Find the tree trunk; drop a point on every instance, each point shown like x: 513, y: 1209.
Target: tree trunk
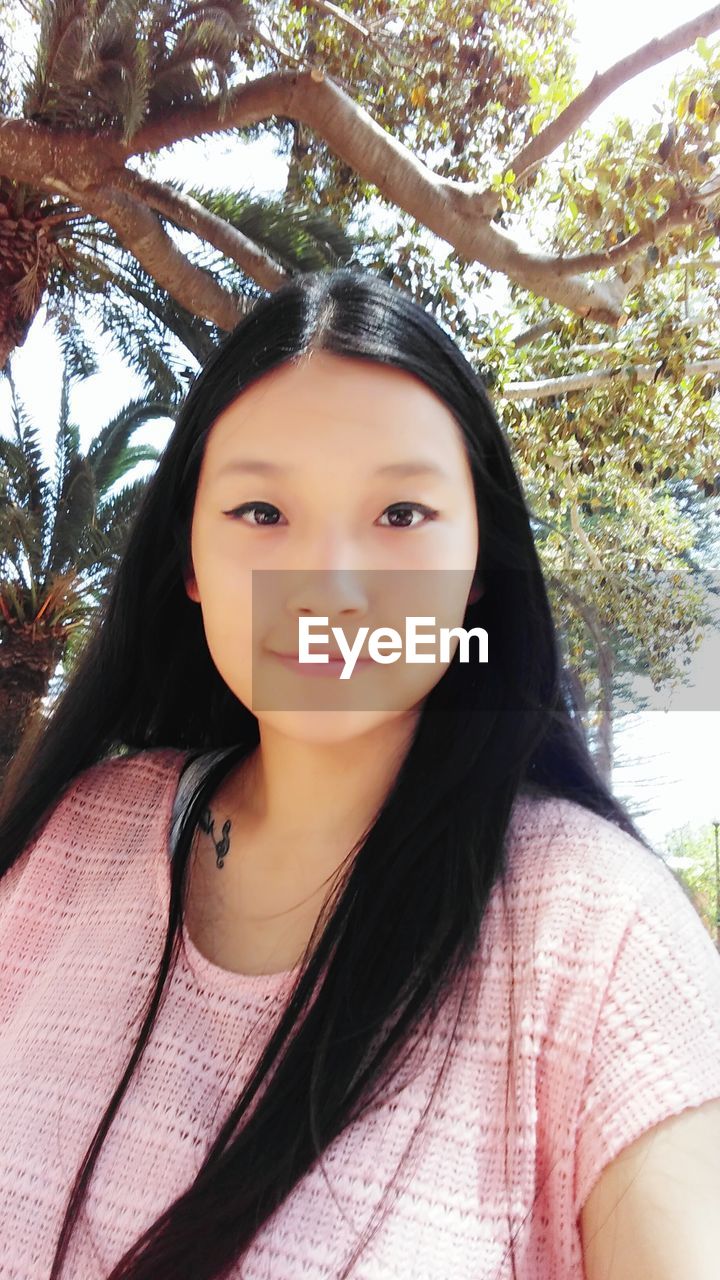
x: 26, y: 667
x: 604, y: 751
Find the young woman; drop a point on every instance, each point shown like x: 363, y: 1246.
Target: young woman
x: 317, y: 977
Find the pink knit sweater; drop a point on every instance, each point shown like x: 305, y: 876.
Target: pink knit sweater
x: 595, y: 959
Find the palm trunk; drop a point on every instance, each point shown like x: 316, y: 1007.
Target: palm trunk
x: 26, y: 667
x: 26, y: 253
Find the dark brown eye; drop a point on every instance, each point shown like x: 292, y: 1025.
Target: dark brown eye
x: 402, y: 507
x: 265, y: 507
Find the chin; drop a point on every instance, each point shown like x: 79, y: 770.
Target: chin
x: 326, y: 727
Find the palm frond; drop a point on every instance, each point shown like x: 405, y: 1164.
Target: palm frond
x: 110, y: 63
x: 20, y: 539
x: 104, y: 541
x: 75, y: 510
x: 13, y: 468
x: 67, y: 446
x: 17, y: 598
x: 52, y: 574
x: 77, y: 355
x: 115, y: 513
x: 60, y: 50
x: 300, y: 239
x: 31, y: 480
x: 28, y: 290
x: 137, y: 315
x: 212, y: 35
x: 110, y: 454
x: 135, y: 454
x: 67, y: 450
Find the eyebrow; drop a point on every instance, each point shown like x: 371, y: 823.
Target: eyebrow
x: 258, y: 467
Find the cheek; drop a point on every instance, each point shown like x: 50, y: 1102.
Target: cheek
x: 220, y: 570
x: 229, y: 643
x: 225, y: 599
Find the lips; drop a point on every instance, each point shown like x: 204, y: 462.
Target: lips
x: 332, y: 657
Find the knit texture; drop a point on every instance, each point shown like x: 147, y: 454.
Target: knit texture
x: 591, y: 956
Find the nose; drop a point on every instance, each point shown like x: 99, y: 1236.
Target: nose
x: 326, y: 578
x: 326, y: 593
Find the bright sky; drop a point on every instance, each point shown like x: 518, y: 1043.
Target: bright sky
x: 672, y: 756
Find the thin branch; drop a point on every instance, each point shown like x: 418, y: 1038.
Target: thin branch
x: 360, y: 32
x: 680, y: 213
x: 711, y: 263
x: 686, y: 295
x: 346, y: 19
x: 602, y: 86
x: 267, y: 41
x: 537, y: 331
x: 193, y: 216
x: 598, y: 377
x: 592, y: 347
x: 140, y: 231
x: 580, y: 534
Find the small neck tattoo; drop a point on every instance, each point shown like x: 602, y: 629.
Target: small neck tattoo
x: 207, y: 824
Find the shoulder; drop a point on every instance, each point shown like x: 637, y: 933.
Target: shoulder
x: 578, y: 881
x: 597, y: 916
x: 560, y: 850
x: 145, y: 768
x: 557, y: 834
x: 119, y: 785
x: 103, y: 811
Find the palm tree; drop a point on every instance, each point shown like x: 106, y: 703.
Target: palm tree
x: 101, y: 69
x: 60, y: 539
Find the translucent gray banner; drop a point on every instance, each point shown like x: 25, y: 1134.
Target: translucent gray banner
x: 382, y: 639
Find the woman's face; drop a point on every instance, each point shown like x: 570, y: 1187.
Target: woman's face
x: 308, y: 505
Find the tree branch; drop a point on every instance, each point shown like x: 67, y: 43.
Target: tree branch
x: 140, y: 231
x: 537, y: 331
x: 711, y: 264
x: 362, y: 33
x: 36, y: 154
x: 446, y: 207
x: 601, y: 87
x: 580, y: 534
x: 193, y: 216
x: 594, y: 378
x: 346, y: 19
x: 679, y: 214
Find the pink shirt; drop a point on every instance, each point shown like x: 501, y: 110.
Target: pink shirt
x: 616, y: 1019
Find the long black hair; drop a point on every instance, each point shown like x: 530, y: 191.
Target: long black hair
x: 402, y: 924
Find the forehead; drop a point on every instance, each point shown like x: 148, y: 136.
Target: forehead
x: 323, y: 395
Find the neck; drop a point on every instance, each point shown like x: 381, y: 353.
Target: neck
x: 315, y: 796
